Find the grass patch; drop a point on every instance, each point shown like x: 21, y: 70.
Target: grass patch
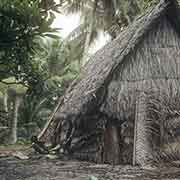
x: 20, y: 145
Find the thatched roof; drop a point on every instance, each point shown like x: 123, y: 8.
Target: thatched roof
x: 98, y: 71
x: 88, y: 93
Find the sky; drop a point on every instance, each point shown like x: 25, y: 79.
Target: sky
x: 66, y: 23
x: 70, y: 22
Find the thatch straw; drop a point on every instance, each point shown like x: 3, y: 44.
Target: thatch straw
x: 136, y: 76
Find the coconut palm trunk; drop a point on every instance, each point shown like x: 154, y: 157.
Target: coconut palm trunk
x: 13, y: 134
x: 5, y: 98
x: 89, y: 34
x: 87, y: 43
x: 5, y: 103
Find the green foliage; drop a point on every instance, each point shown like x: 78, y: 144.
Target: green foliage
x: 59, y: 65
x: 109, y: 16
x: 12, y: 83
x: 58, y: 60
x: 92, y: 178
x: 21, y: 144
x: 21, y: 22
x: 102, y: 15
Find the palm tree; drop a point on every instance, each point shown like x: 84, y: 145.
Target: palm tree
x: 60, y: 63
x: 58, y: 58
x: 95, y: 16
x: 110, y: 16
x: 12, y: 96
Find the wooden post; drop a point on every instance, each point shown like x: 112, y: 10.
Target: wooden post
x: 112, y: 151
x: 135, y: 135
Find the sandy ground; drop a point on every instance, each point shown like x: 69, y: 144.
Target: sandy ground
x: 42, y: 168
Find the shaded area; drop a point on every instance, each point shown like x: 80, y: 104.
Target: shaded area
x: 40, y: 168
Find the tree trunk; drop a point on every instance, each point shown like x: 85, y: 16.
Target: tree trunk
x: 5, y: 96
x: 5, y: 102
x: 89, y: 35
x: 142, y: 135
x: 13, y: 135
x: 86, y: 44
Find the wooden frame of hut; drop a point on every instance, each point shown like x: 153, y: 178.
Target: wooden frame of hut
x: 119, y: 105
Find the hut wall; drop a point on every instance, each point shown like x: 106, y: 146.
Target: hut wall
x: 155, y: 63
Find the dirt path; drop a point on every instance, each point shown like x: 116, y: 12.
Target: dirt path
x: 44, y: 169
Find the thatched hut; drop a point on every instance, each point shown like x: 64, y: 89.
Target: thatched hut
x: 125, y: 94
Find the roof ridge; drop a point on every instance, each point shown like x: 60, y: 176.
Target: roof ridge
x: 102, y: 65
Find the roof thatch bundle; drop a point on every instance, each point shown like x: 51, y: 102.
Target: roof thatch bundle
x: 129, y: 82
